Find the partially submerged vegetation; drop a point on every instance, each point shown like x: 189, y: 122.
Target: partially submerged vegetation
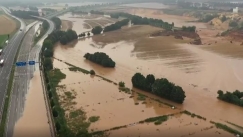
x: 137, y: 20
x: 193, y: 115
x: 160, y: 87
x: 227, y: 128
x: 235, y: 98
x: 101, y: 59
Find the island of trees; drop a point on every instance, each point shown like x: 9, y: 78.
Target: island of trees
x: 101, y: 59
x: 57, y: 22
x: 235, y: 97
x: 160, y: 87
x: 137, y: 20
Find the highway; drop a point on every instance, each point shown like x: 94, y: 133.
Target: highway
x: 23, y: 75
x: 8, y: 55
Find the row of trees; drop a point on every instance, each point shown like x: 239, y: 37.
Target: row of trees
x: 234, y: 97
x: 49, y: 42
x: 57, y: 22
x: 97, y: 12
x: 116, y: 26
x: 189, y: 28
x: 137, y: 20
x: 24, y: 14
x: 160, y: 87
x: 100, y: 58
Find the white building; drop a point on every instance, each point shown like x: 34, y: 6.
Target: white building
x: 40, y: 12
x: 235, y: 10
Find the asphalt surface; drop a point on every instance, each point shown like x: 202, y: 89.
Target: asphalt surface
x: 23, y: 76
x: 8, y: 55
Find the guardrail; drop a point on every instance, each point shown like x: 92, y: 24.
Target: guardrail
x: 47, y: 100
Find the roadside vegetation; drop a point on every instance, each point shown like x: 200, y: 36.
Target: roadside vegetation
x: 24, y: 14
x: 235, y: 97
x: 63, y: 127
x: 3, y: 39
x: 43, y: 28
x: 101, y: 59
x: 160, y: 87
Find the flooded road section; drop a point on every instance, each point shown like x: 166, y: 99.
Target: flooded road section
x: 200, y: 72
x: 34, y: 122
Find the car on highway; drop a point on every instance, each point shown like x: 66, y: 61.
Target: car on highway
x: 1, y: 62
x: 1, y: 51
x: 20, y: 29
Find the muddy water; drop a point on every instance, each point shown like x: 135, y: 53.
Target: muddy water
x: 216, y: 72
x: 147, y: 5
x: 34, y: 120
x: 211, y: 72
x: 100, y: 98
x: 77, y: 22
x: 179, y: 21
x: 176, y: 126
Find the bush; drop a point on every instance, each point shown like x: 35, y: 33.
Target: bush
x: 54, y: 113
x: 94, y: 118
x: 58, y: 126
x: 100, y: 58
x: 121, y: 84
x: 92, y: 72
x: 233, y: 24
x: 160, y: 87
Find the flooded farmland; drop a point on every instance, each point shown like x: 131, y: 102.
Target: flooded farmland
x: 200, y: 70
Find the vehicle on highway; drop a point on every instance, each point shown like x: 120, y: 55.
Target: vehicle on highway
x: 20, y: 29
x: 1, y: 51
x: 1, y: 62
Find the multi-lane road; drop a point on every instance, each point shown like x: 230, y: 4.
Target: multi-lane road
x: 23, y: 75
x: 8, y: 55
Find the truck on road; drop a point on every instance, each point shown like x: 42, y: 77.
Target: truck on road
x: 1, y: 62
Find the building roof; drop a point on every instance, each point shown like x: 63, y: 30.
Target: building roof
x: 241, y: 98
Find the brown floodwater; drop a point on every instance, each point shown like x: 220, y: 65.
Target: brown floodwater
x: 34, y: 122
x: 101, y: 98
x: 207, y: 72
x: 177, y: 126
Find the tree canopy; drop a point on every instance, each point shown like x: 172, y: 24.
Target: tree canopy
x: 24, y: 14
x: 97, y: 30
x: 45, y: 25
x: 234, y: 97
x: 160, y: 87
x: 57, y: 22
x: 137, y: 20
x: 189, y: 28
x: 116, y: 26
x: 101, y: 59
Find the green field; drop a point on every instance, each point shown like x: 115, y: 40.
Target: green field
x: 3, y: 38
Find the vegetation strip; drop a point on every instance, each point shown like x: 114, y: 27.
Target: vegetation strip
x: 226, y: 128
x: 235, y: 98
x: 8, y: 94
x: 156, y: 120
